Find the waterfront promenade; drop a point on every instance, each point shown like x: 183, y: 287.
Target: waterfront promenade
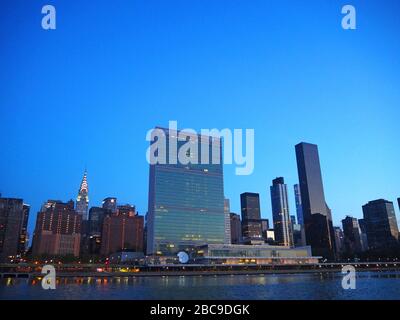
x: 109, y: 271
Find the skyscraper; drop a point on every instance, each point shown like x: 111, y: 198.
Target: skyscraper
x: 91, y: 239
x: 186, y: 201
x: 381, y: 224
x: 13, y: 223
x: 23, y: 235
x: 280, y: 213
x: 316, y: 214
x: 82, y: 201
x: 299, y: 209
x: 264, y: 226
x: 364, y: 238
x: 227, y: 211
x: 236, y: 228
x: 58, y: 230
x: 339, y: 240
x: 251, y: 217
x: 352, y: 235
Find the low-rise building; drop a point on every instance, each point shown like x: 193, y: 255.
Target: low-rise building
x: 253, y: 254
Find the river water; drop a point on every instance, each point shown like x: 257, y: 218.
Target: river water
x: 326, y: 286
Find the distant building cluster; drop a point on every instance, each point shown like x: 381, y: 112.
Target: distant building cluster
x: 187, y: 211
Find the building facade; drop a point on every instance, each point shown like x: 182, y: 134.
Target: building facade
x: 82, y: 201
x: 254, y: 255
x: 227, y: 212
x: 339, y: 241
x: 58, y: 230
x: 236, y: 228
x: 317, y: 216
x: 364, y: 238
x: 122, y: 231
x: 91, y: 236
x: 381, y: 224
x: 299, y: 208
x: 352, y: 236
x: 110, y: 204
x: 186, y: 200
x: 251, y: 217
x: 13, y: 227
x: 280, y: 212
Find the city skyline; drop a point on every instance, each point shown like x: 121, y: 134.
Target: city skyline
x: 256, y: 67
x: 269, y: 215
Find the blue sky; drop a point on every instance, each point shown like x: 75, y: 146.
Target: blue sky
x: 86, y: 93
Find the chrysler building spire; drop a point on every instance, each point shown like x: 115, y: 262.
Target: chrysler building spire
x: 82, y: 201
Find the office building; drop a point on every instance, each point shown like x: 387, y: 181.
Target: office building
x: 58, y: 230
x: 236, y: 228
x: 364, y: 238
x: 227, y: 212
x: 251, y: 217
x: 122, y: 231
x: 91, y: 236
x: 264, y: 228
x: 13, y: 228
x: 381, y: 224
x: 298, y: 239
x: 339, y: 241
x: 299, y: 209
x: 280, y: 213
x: 317, y: 216
x: 352, y: 236
x: 186, y: 200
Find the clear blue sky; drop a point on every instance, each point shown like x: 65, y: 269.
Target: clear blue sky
x: 86, y: 93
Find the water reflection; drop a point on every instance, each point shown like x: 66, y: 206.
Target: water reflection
x: 370, y: 285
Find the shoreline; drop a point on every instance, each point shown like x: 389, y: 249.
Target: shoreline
x: 198, y: 273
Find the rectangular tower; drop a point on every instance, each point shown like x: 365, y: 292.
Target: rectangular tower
x: 186, y: 200
x: 381, y: 224
x: 251, y: 217
x: 316, y: 214
x: 13, y: 225
x: 280, y: 213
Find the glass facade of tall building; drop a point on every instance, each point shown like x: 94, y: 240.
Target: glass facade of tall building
x: 381, y: 224
x: 251, y: 216
x: 227, y: 211
x: 317, y: 216
x: 280, y: 213
x: 299, y: 208
x: 186, y: 201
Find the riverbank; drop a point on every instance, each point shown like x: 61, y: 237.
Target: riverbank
x: 101, y: 271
